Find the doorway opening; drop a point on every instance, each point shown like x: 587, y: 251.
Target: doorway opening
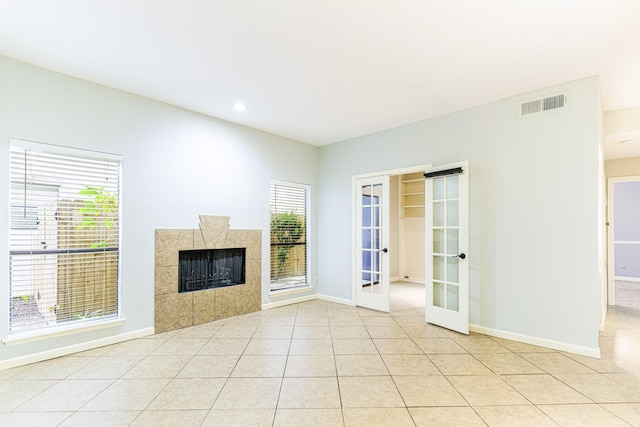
x: 389, y: 237
x: 408, y: 265
x: 443, y: 242
x: 624, y: 242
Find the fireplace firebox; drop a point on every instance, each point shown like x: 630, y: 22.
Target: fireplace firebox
x: 210, y: 268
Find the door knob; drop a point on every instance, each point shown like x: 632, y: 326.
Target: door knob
x: 462, y: 255
x: 385, y: 250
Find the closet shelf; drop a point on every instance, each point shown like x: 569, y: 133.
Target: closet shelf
x: 412, y: 196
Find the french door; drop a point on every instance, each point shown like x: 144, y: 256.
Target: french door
x: 372, y: 237
x: 447, y: 243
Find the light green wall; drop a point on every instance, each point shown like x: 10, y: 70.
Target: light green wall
x: 176, y: 165
x: 533, y: 209
x: 533, y: 189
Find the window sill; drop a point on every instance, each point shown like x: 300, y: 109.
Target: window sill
x: 296, y: 290
x: 27, y: 337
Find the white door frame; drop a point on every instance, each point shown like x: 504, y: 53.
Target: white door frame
x: 354, y: 212
x: 611, y: 283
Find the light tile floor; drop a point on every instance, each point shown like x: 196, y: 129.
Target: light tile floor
x: 323, y: 364
x: 627, y: 293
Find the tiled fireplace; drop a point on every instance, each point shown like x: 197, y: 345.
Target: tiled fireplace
x: 175, y: 310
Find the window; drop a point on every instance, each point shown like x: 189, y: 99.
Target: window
x: 289, y: 231
x: 64, y: 236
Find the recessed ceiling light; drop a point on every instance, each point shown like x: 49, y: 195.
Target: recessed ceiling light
x: 627, y: 141
x: 239, y: 107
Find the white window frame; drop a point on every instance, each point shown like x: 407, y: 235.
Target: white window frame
x: 308, y: 218
x: 58, y: 328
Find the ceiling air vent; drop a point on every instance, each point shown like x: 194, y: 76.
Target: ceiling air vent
x: 542, y: 105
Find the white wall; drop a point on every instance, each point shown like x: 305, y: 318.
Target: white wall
x: 626, y: 120
x: 412, y: 238
x: 622, y: 167
x: 177, y: 165
x: 533, y: 205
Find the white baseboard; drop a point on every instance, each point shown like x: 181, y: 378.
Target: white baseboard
x: 627, y: 279
x: 76, y: 348
x: 307, y: 298
x: 337, y: 300
x: 289, y: 301
x: 289, y: 291
x: 555, y: 345
x: 419, y: 282
x: 54, y: 332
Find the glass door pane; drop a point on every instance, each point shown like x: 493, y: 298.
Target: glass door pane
x: 371, y: 230
x: 445, y: 243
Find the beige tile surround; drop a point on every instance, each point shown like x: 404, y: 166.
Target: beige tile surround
x: 175, y: 310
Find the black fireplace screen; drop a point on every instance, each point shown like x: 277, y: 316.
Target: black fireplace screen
x: 211, y: 268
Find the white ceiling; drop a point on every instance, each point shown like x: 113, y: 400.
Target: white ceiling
x: 321, y: 71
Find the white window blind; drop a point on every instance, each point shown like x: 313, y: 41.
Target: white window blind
x: 63, y: 235
x: 289, y: 231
